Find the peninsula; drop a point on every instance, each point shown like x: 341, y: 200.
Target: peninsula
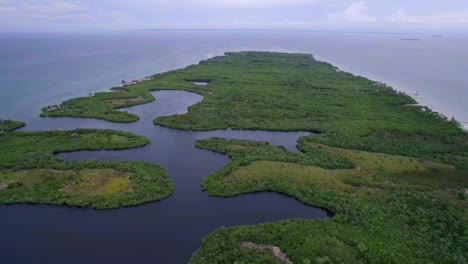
x: 393, y: 174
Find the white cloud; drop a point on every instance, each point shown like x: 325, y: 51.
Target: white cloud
x: 7, y: 10
x: 54, y: 8
x: 35, y: 10
x: 226, y: 3
x: 281, y: 14
x: 356, y: 12
x: 442, y: 18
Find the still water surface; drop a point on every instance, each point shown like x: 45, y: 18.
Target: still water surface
x: 167, y: 231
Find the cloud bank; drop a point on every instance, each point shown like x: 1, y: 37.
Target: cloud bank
x: 67, y: 15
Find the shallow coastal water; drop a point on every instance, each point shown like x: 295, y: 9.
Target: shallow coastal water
x: 167, y: 231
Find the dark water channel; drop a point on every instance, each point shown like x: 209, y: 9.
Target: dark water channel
x: 168, y: 231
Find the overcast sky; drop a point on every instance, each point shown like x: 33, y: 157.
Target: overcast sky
x: 84, y: 15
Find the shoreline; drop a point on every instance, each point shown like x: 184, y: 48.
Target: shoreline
x: 422, y: 98
x: 464, y: 126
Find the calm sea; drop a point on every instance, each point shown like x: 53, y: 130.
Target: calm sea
x: 42, y: 69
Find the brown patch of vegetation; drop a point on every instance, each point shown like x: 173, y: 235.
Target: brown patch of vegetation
x: 277, y: 253
x: 99, y: 182
x: 124, y: 102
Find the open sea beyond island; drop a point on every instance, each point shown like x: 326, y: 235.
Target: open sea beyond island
x: 59, y: 67
x: 63, y: 66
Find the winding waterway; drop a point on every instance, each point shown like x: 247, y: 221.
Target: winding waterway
x: 168, y: 231
x: 44, y: 69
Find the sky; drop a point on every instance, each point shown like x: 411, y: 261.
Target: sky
x: 95, y: 15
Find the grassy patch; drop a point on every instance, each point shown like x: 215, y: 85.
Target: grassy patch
x: 86, y: 182
x: 30, y: 173
x: 381, y: 161
x: 261, y: 172
x: 389, y: 209
x: 124, y: 102
x: 97, y: 182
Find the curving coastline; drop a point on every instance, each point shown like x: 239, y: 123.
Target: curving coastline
x: 404, y: 160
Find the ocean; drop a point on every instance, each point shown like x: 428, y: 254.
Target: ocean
x: 42, y: 69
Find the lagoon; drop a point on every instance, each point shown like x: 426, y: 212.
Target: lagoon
x: 168, y: 231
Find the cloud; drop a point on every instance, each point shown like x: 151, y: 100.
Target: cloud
x: 39, y: 10
x: 51, y: 15
x: 7, y: 10
x: 223, y: 4
x: 59, y: 14
x: 442, y: 18
x: 54, y: 8
x: 356, y: 12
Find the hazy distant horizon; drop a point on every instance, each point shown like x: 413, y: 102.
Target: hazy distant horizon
x: 384, y: 31
x: 86, y: 63
x: 332, y: 15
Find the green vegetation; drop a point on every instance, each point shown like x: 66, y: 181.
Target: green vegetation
x: 10, y: 125
x: 277, y: 91
x: 394, y: 173
x: 388, y: 209
x: 29, y: 172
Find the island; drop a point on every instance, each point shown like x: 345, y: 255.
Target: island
x: 392, y: 174
x: 10, y: 125
x: 30, y: 173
